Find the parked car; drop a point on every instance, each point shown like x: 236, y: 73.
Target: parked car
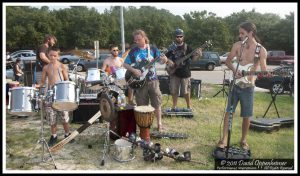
x: 85, y: 64
x: 287, y: 62
x: 224, y: 57
x: 9, y: 70
x: 280, y: 81
x: 66, y: 59
x: 209, y: 60
x: 9, y: 74
x: 275, y: 57
x: 26, y: 55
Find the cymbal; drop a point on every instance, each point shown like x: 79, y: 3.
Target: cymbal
x: 83, y: 54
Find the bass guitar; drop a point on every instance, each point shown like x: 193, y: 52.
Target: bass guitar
x: 247, y: 73
x: 171, y: 69
x: 135, y: 82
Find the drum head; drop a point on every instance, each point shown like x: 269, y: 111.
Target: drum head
x: 106, y: 107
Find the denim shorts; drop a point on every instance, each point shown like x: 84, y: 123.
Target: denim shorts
x: 245, y: 96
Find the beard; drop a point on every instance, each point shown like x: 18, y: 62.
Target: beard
x: 179, y: 42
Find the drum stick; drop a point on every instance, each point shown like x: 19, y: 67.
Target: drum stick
x: 62, y: 143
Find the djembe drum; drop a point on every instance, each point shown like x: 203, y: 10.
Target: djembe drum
x: 144, y: 117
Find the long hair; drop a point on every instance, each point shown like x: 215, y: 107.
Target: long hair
x: 248, y: 26
x: 49, y: 36
x: 142, y: 33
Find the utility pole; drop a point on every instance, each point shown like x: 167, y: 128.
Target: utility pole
x: 122, y: 29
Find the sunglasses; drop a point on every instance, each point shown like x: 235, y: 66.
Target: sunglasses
x: 179, y: 36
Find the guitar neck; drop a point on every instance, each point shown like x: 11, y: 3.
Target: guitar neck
x: 154, y: 60
x: 177, y: 62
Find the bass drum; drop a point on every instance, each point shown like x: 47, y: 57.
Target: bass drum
x: 107, y: 107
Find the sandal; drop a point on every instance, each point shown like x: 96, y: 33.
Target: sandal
x: 244, y: 145
x: 221, y: 145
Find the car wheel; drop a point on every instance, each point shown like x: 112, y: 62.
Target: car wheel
x: 65, y: 61
x: 277, y: 88
x: 210, y: 67
x: 79, y: 68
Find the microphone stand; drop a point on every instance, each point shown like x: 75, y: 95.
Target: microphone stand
x: 231, y: 106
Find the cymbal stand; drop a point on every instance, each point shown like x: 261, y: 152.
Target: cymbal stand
x: 106, y: 143
x: 223, y: 87
x: 41, y: 140
x: 75, y: 69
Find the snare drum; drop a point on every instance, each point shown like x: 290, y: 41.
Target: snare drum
x: 22, y: 101
x: 66, y: 96
x: 144, y: 118
x: 123, y: 151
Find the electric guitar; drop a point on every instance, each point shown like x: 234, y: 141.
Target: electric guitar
x: 135, y: 82
x: 171, y: 69
x: 247, y: 73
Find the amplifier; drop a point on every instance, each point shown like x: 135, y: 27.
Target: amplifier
x: 195, y: 89
x: 85, y: 111
x: 164, y: 84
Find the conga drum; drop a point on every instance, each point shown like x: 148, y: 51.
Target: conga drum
x: 144, y: 117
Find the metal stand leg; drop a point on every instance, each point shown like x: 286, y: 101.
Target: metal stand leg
x: 223, y: 87
x: 42, y: 140
x: 106, y: 144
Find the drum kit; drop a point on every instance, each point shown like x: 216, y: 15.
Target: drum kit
x: 108, y: 90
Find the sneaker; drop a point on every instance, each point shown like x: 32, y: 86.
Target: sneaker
x: 52, y: 141
x: 73, y: 140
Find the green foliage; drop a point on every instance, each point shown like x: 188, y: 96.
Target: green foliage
x: 79, y: 26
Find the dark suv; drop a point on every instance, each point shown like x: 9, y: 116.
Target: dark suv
x: 208, y: 61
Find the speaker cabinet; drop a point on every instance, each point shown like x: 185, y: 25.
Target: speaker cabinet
x: 164, y: 84
x: 84, y: 112
x: 195, y: 89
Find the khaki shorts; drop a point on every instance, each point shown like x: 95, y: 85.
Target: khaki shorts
x: 149, y: 91
x: 175, y: 83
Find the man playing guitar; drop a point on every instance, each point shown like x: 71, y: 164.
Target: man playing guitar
x: 143, y: 51
x: 248, y: 51
x: 182, y: 74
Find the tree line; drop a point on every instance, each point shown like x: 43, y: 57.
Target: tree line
x: 80, y: 26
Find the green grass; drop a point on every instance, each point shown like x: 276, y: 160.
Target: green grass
x: 204, y: 131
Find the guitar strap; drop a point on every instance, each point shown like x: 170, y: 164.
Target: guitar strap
x: 185, y: 48
x: 131, y: 53
x: 148, y: 56
x: 257, y: 51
